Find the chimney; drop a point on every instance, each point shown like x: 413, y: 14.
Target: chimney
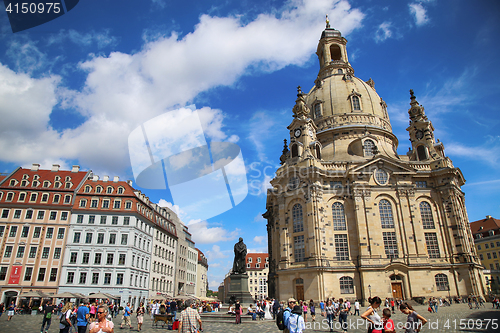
x: 116, y: 179
x: 488, y: 217
x: 55, y: 167
x: 96, y: 178
x: 75, y: 168
x: 105, y: 178
x: 129, y: 182
x: 35, y: 167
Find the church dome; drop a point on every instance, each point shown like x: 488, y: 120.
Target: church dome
x: 351, y: 119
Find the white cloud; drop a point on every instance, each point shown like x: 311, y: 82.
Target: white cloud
x: 100, y: 39
x: 216, y: 253
x: 122, y: 91
x: 419, y: 12
x: 489, y: 152
x: 259, y: 218
x: 176, y: 209
x: 203, y: 234
x: 260, y: 239
x: 383, y: 32
x: 258, y: 250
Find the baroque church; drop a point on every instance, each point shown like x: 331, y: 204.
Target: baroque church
x: 349, y: 217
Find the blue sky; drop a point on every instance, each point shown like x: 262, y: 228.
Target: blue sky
x: 73, y: 89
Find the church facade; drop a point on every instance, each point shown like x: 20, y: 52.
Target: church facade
x: 349, y: 217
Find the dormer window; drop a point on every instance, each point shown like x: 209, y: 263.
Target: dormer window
x: 354, y: 98
x: 120, y: 190
x: 12, y: 182
x: 109, y: 189
x: 68, y: 178
x: 57, y: 184
x: 57, y: 178
x: 88, y: 188
x: 317, y: 110
x: 67, y: 185
x: 24, y: 183
x: 355, y: 103
x: 46, y: 183
x: 35, y: 183
x: 491, y: 233
x: 368, y: 148
x: 98, y: 189
x: 36, y: 177
x: 26, y: 177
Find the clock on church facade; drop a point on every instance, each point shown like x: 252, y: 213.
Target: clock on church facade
x: 349, y: 217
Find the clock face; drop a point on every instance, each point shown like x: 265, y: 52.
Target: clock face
x: 419, y: 134
x: 297, y: 132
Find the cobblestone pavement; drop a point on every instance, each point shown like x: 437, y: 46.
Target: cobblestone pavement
x: 457, y: 318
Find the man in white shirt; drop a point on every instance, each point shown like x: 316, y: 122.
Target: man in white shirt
x: 356, y: 307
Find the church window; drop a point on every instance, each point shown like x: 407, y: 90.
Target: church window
x: 355, y: 103
x: 442, y: 282
x: 339, y: 71
x: 346, y: 285
x: 385, y: 209
x: 390, y: 244
x: 338, y: 215
x: 317, y: 110
x: 432, y: 244
x: 421, y: 184
x: 421, y: 153
x: 335, y: 52
x: 298, y: 248
x: 295, y: 151
x: 293, y: 183
x: 298, y: 222
x: 341, y: 247
x: 381, y: 177
x: 368, y: 147
x: 426, y: 214
x: 318, y: 152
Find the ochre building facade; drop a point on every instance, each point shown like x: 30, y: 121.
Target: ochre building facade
x: 349, y: 217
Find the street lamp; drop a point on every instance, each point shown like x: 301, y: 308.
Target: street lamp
x: 370, y: 289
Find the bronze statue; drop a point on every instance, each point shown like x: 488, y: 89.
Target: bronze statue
x: 240, y: 254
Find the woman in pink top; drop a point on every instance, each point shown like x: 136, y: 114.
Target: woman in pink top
x: 92, y: 312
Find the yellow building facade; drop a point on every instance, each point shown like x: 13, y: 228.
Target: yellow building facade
x: 349, y: 217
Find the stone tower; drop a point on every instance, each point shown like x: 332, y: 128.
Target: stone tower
x: 349, y: 217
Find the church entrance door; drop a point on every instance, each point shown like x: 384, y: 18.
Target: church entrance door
x: 300, y: 292
x: 397, y: 290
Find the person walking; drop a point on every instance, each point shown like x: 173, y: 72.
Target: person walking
x: 2, y: 309
x: 140, y: 316
x: 102, y: 325
x: 412, y: 321
x: 237, y: 311
x: 11, y: 310
x: 48, y: 310
x: 65, y: 320
x: 372, y: 316
x: 356, y: 307
x: 343, y: 312
x: 287, y: 312
x: 312, y: 308
x: 188, y: 319
x: 82, y: 317
x: 126, y: 316
x: 330, y: 314
x: 296, y: 322
x: 173, y: 309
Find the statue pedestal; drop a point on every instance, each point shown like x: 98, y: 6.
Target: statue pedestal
x: 239, y: 288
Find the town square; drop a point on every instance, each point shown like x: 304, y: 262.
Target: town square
x: 249, y: 166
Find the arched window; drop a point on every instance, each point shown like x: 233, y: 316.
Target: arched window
x: 298, y: 222
x: 317, y: 110
x: 46, y: 183
x: 88, y: 189
x: 368, y: 147
x: 338, y: 216
x: 120, y: 190
x: 355, y: 103
x: 426, y: 214
x: 318, y: 152
x: 421, y: 153
x: 56, y: 198
x: 346, y: 285
x: 295, y: 151
x: 385, y: 210
x: 98, y: 189
x: 442, y: 282
x: 293, y: 183
x: 335, y: 52
x: 109, y: 189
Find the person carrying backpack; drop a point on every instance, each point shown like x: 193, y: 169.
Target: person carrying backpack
x: 296, y: 322
x: 48, y: 310
x: 284, y: 315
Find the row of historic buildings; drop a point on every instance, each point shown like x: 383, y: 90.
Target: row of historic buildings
x: 347, y: 216
x: 68, y: 230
